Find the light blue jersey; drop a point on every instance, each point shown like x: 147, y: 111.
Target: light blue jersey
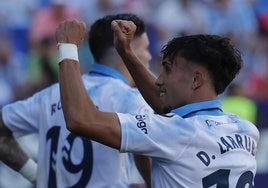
x: 196, y: 145
x: 64, y: 159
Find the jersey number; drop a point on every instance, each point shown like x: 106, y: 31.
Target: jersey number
x: 85, y: 166
x: 220, y: 178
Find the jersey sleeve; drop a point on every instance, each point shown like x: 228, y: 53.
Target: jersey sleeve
x: 154, y: 135
x: 22, y: 117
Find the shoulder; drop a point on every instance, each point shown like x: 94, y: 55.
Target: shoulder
x: 41, y: 97
x: 103, y: 81
x: 174, y: 123
x: 52, y: 91
x: 248, y: 127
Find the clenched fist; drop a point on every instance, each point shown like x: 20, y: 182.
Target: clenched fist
x: 123, y: 34
x: 71, y: 31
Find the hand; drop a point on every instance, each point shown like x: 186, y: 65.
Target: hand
x: 123, y: 34
x: 71, y: 32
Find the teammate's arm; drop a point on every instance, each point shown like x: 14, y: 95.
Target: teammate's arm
x: 80, y: 113
x: 144, y: 79
x: 13, y: 155
x: 144, y: 167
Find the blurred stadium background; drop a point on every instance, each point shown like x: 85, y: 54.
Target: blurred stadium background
x: 28, y: 55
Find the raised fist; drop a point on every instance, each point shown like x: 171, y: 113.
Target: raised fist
x: 123, y: 34
x: 71, y: 31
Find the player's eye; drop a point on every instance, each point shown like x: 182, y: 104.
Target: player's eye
x: 167, y: 66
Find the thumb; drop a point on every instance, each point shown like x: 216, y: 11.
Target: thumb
x: 114, y: 25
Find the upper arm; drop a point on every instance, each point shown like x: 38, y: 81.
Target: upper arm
x: 103, y: 127
x: 110, y: 130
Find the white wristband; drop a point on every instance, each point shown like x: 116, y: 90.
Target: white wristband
x: 29, y: 170
x: 67, y: 51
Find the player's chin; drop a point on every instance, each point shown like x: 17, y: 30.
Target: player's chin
x: 166, y: 108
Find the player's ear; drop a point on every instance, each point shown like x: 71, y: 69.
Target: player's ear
x: 198, y: 79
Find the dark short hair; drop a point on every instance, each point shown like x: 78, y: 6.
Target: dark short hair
x: 101, y: 35
x: 216, y: 53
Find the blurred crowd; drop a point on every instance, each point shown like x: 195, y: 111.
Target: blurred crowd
x: 28, y: 59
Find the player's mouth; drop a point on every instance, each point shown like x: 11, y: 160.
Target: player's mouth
x: 162, y: 93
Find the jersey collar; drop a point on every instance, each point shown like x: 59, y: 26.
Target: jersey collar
x: 103, y: 70
x: 212, y: 107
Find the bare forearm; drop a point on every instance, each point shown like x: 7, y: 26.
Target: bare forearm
x: 15, y: 158
x: 73, y: 95
x: 144, y: 79
x: 11, y: 153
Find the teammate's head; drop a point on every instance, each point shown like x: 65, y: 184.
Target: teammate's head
x: 216, y: 54
x: 101, y: 36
